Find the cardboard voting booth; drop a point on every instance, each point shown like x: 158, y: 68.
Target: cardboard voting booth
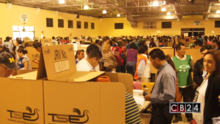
x: 167, y: 51
x: 195, y: 53
x: 21, y: 101
x: 59, y: 63
x: 84, y: 103
x: 46, y: 42
x: 33, y: 55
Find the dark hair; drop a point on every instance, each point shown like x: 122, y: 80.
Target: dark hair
x: 19, y: 41
x: 142, y: 42
x: 91, y: 47
x: 36, y: 45
x: 133, y: 46
x: 204, y: 48
x: 142, y: 49
x: 178, y: 46
x: 215, y: 41
x: 198, y: 42
x: 4, y: 49
x: 22, y: 50
x: 7, y: 39
x: 95, y: 53
x: 109, y: 68
x: 119, y: 43
x: 97, y: 41
x: 106, y: 38
x: 157, y: 53
x: 170, y: 61
x: 53, y: 37
x: 78, y: 52
x: 216, y: 56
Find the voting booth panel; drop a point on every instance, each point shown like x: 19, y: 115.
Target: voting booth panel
x: 84, y: 102
x: 167, y: 51
x: 21, y: 101
x: 46, y: 42
x: 195, y: 53
x: 33, y: 55
x: 60, y: 65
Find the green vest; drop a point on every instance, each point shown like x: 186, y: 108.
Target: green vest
x: 184, y: 69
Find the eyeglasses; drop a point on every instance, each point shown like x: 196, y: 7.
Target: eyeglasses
x: 98, y: 61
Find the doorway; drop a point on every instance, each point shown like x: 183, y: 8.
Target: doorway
x: 192, y: 32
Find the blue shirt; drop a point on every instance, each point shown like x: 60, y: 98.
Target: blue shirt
x: 164, y: 90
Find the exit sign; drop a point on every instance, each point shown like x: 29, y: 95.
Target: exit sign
x: 198, y: 22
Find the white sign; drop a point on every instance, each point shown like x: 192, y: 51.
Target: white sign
x: 185, y: 34
x: 198, y: 22
x: 62, y: 66
x: 24, y: 17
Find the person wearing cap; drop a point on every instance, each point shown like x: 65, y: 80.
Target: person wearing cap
x: 7, y: 64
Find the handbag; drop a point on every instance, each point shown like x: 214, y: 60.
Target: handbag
x: 103, y: 79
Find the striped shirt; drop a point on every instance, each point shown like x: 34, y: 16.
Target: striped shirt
x: 132, y: 111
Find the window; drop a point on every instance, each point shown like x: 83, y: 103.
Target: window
x: 60, y: 23
x: 149, y: 25
x: 166, y: 24
x: 70, y: 24
x: 119, y: 25
x: 78, y: 24
x: 217, y: 24
x: 86, y: 25
x: 49, y: 22
x: 92, y: 25
x: 23, y: 32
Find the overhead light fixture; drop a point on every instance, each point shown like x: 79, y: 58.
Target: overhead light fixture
x: 104, y: 11
x: 168, y: 13
x: 86, y: 7
x: 218, y: 11
x: 155, y: 3
x: 61, y: 1
x: 118, y: 15
x: 163, y: 9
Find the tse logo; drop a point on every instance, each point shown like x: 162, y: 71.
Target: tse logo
x: 185, y: 107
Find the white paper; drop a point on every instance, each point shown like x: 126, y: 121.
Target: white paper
x: 62, y: 66
x: 139, y: 100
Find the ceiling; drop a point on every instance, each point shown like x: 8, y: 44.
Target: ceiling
x: 134, y: 10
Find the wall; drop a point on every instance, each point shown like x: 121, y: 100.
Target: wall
x: 107, y: 27
x: 12, y: 17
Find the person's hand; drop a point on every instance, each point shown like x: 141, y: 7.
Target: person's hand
x: 148, y: 96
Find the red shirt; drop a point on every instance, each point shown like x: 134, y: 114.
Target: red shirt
x: 118, y: 53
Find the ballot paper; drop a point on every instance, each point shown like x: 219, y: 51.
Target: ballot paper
x: 139, y: 100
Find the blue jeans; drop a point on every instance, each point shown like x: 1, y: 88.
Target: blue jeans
x: 131, y: 67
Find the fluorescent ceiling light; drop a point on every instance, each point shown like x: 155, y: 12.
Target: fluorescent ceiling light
x: 155, y: 3
x: 118, y: 15
x: 163, y: 9
x: 86, y: 7
x: 218, y: 11
x: 168, y: 13
x: 104, y: 11
x: 61, y: 1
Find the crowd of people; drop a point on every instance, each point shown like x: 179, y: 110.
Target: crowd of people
x: 129, y: 54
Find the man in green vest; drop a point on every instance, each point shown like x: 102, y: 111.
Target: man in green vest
x: 184, y: 65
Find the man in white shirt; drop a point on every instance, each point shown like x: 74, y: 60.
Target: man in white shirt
x: 90, y: 48
x: 88, y: 64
